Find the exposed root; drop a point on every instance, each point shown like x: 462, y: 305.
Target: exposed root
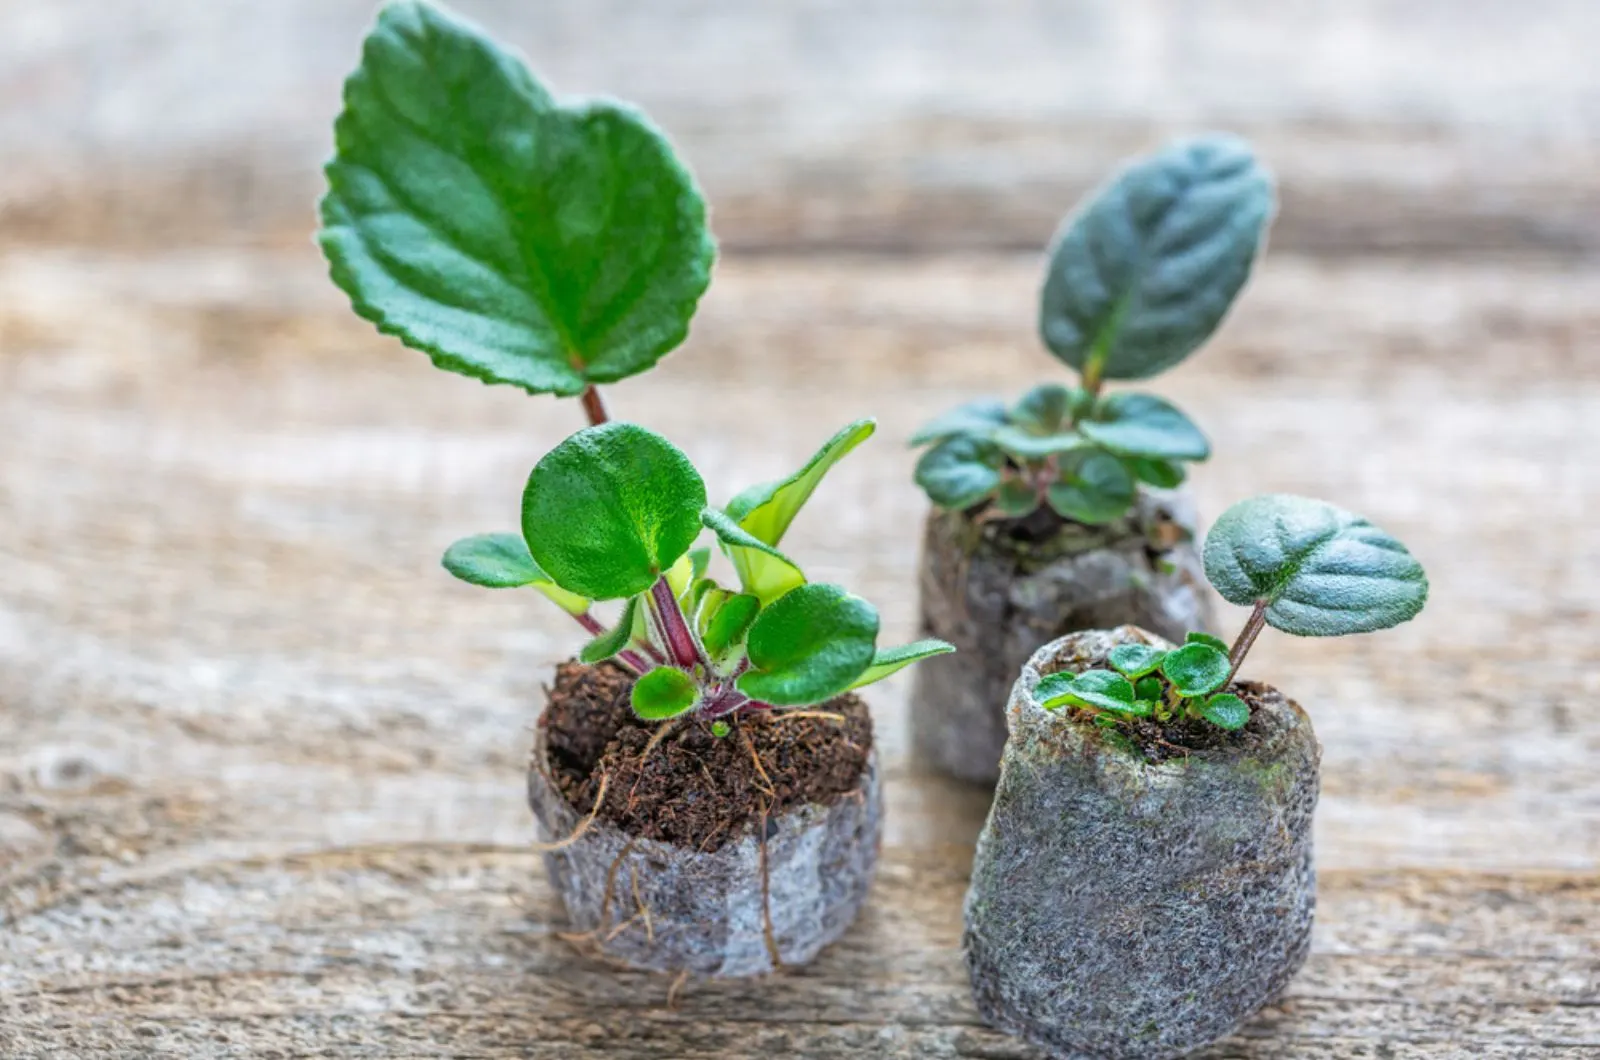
x: 677, y: 986
x: 611, y: 881
x: 620, y: 928
x: 768, y: 935
x: 642, y: 906
x: 583, y: 825
x: 825, y: 715
x: 767, y: 789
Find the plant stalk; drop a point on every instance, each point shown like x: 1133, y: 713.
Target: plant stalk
x: 675, y: 632
x: 593, y: 407
x: 1247, y: 637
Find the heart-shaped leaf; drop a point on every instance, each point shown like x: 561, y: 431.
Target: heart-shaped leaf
x: 766, y: 511
x: 611, y: 508
x: 809, y: 646
x: 1162, y: 474
x: 1045, y: 409
x: 614, y: 639
x: 1322, y: 571
x: 1016, y: 498
x: 1226, y: 711
x: 892, y: 660
x: 1196, y: 637
x: 975, y: 418
x: 1143, y: 274
x: 959, y: 472
x: 1149, y: 688
x: 664, y: 693
x: 1143, y: 425
x: 1097, y: 688
x: 502, y: 561
x: 1196, y: 669
x: 1095, y: 488
x: 507, y: 236
x: 1135, y: 660
x: 763, y: 571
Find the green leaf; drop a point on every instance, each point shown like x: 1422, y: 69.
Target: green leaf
x: 664, y: 693
x: 509, y: 237
x: 1196, y: 637
x: 763, y: 571
x: 1135, y: 660
x: 1096, y: 688
x: 724, y: 620
x: 1162, y: 474
x: 1095, y: 488
x: 767, y: 510
x: 699, y: 560
x: 975, y: 418
x: 1016, y: 498
x: 720, y: 728
x: 1143, y: 273
x: 1226, y: 711
x: 613, y: 640
x: 959, y: 472
x: 611, y: 508
x: 1323, y: 571
x: 1144, y: 425
x: 1025, y: 445
x: 1045, y: 409
x: 502, y: 561
x: 1052, y: 689
x: 809, y: 646
x: 892, y: 660
x: 1196, y: 669
x: 1149, y: 688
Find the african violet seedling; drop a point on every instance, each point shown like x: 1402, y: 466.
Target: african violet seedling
x: 1138, y: 278
x: 1301, y: 565
x: 510, y: 236
x: 613, y: 513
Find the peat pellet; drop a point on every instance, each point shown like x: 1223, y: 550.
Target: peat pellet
x: 997, y: 589
x: 1123, y: 907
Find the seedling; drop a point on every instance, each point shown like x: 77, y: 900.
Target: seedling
x: 512, y: 237
x: 613, y: 513
x: 1301, y: 565
x: 1138, y: 278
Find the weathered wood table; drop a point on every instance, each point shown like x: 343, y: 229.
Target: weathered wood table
x: 261, y: 760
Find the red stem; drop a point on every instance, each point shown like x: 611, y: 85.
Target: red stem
x: 1247, y: 637
x: 593, y: 407
x: 674, y: 630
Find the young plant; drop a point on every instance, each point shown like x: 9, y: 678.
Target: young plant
x: 512, y: 237
x: 1138, y: 278
x: 613, y: 513
x: 1301, y: 565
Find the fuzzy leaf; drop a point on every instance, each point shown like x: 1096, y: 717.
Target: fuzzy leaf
x: 509, y: 237
x: 1143, y: 273
x: 1323, y: 571
x: 1097, y: 688
x: 1045, y: 409
x: 1162, y: 474
x: 611, y: 508
x: 1052, y: 689
x: 1226, y: 711
x: 502, y: 561
x: 613, y: 640
x: 763, y: 571
x: 1016, y: 498
x: 1094, y: 489
x: 1196, y: 637
x: 892, y: 660
x: 725, y: 621
x: 1196, y: 669
x: 1135, y: 660
x: 809, y: 646
x: 664, y: 693
x: 1026, y: 445
x: 1143, y: 425
x: 766, y: 511
x: 959, y: 472
x: 975, y: 418
x: 1148, y: 688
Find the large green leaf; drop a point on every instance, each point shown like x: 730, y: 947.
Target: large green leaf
x: 766, y: 511
x: 959, y: 472
x: 507, y: 236
x: 809, y: 646
x: 610, y: 509
x: 763, y: 571
x: 976, y: 418
x: 1322, y: 571
x: 1143, y: 273
x: 1143, y: 425
x: 502, y: 561
x: 893, y: 660
x: 1095, y: 488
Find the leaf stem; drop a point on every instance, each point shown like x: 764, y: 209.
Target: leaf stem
x: 631, y: 659
x: 1247, y: 637
x: 593, y: 407
x: 674, y: 630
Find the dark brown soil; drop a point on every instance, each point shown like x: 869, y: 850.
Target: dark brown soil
x: 695, y: 789
x: 1159, y: 742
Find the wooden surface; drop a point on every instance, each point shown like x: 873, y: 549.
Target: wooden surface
x: 260, y: 759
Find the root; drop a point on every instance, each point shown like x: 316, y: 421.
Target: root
x: 677, y: 986
x: 768, y: 790
x: 824, y: 715
x: 611, y: 881
x: 583, y: 825
x: 643, y: 907
x: 768, y: 935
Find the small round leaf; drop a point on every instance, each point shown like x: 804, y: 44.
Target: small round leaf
x: 1226, y: 711
x: 1162, y: 474
x: 809, y: 645
x: 959, y: 472
x: 1097, y: 688
x: 1196, y: 637
x: 610, y: 509
x: 975, y: 418
x: 1135, y: 660
x: 1196, y: 669
x: 1044, y: 409
x: 1143, y: 425
x: 1149, y: 688
x: 663, y: 693
x: 1095, y: 488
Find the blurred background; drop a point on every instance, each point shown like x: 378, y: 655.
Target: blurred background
x: 223, y: 631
